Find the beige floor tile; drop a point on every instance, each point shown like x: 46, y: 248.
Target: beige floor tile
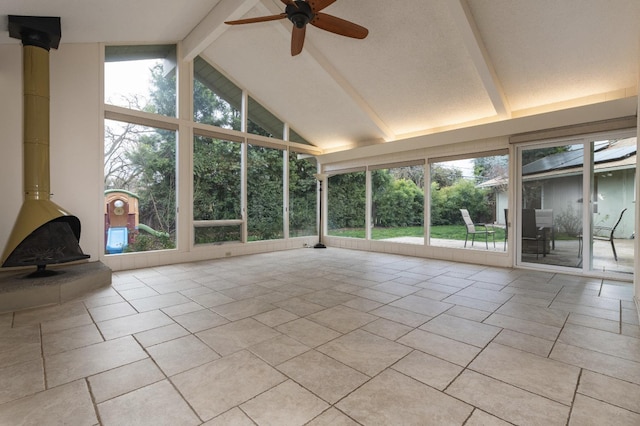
x: 507, y: 402
x: 308, y: 332
x: 589, y: 411
x: 365, y: 352
x: 278, y: 349
x: 287, y: 404
x: 400, y: 315
x: 20, y: 380
x: 428, y: 369
x: 212, y: 299
x: 66, y: 404
x: 587, y: 310
x: 468, y: 313
x: 211, y: 390
x: 480, y: 418
x: 470, y: 302
x: 484, y: 294
x: 138, y: 292
x: 324, y: 376
x: 463, y: 330
x: 601, y: 341
x: 385, y: 399
x: 160, y: 334
x: 121, y: 380
x: 233, y: 417
x: 396, y: 288
x: 328, y: 298
x: 19, y: 345
x: 275, y: 317
x: 68, y: 366
x: 174, y: 286
x: 182, y: 354
x: 65, y: 323
x: 342, y: 318
x: 524, y: 342
x: 332, y: 417
x: 119, y: 327
x: 594, y: 322
x: 200, y: 320
x: 542, y: 376
x: 48, y: 313
x: 548, y: 316
x: 377, y: 296
x: 299, y: 306
x: 72, y: 338
x: 115, y: 310
x: 531, y: 328
x: 442, y: 347
x: 388, y: 329
x: 422, y: 305
x: 158, y: 302
x: 245, y: 291
x: 362, y: 304
x: 154, y: 405
x: 241, y: 309
x: 596, y: 361
x: 229, y: 338
x: 613, y: 391
x: 185, y: 308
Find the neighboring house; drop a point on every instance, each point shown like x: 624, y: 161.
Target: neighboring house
x: 555, y: 182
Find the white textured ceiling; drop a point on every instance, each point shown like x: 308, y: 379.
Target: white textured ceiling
x: 426, y: 66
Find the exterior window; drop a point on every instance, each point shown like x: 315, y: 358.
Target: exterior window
x: 216, y: 100
x: 141, y: 78
x: 397, y: 211
x: 216, y: 190
x: 140, y: 188
x: 262, y: 122
x: 265, y: 190
x: 477, y: 185
x: 302, y: 195
x: 347, y: 205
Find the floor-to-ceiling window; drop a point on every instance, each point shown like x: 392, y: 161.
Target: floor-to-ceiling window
x: 469, y: 201
x: 397, y: 202
x: 346, y: 205
x: 577, y: 203
x: 265, y: 189
x: 217, y: 179
x: 302, y: 195
x: 140, y: 141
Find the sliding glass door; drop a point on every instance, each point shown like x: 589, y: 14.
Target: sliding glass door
x: 576, y: 204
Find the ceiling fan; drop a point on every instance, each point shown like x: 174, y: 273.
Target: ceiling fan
x: 301, y: 13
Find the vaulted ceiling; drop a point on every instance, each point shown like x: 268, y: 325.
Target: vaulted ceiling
x: 425, y: 67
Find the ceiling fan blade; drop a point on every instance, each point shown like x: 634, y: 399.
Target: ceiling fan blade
x: 258, y: 19
x: 289, y: 2
x: 339, y: 26
x: 297, y: 39
x: 318, y: 5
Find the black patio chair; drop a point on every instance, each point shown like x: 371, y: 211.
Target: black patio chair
x: 605, y: 233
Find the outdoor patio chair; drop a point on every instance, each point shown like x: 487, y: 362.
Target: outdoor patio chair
x: 544, y: 220
x: 605, y: 233
x: 506, y: 228
x: 471, y: 230
x: 531, y: 232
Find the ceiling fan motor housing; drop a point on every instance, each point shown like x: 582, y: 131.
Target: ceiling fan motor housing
x: 300, y: 13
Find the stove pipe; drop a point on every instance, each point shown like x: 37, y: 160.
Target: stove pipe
x: 44, y: 233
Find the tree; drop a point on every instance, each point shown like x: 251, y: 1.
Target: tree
x: 445, y: 176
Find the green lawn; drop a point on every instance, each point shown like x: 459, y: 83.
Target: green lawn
x: 445, y: 232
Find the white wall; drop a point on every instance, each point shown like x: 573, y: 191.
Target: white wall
x: 10, y: 137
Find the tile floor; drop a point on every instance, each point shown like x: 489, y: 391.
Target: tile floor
x: 327, y: 337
